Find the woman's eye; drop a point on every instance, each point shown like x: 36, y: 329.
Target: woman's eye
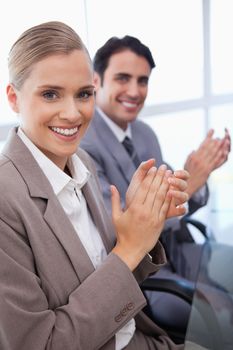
x: 49, y: 95
x: 85, y: 94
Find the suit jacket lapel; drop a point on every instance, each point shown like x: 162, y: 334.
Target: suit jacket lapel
x: 39, y: 187
x: 116, y: 149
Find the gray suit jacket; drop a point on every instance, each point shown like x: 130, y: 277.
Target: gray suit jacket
x: 114, y: 166
x: 50, y: 295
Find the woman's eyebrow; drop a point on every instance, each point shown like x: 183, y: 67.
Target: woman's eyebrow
x: 49, y: 86
x: 57, y: 87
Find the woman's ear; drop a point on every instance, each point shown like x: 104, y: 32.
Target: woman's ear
x: 12, y: 97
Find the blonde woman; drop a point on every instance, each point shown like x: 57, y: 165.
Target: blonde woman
x: 68, y: 277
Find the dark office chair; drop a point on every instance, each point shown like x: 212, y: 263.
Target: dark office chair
x: 184, y: 290
x: 206, y: 232
x: 198, y: 224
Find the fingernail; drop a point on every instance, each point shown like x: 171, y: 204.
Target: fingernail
x: 163, y: 167
x: 168, y: 174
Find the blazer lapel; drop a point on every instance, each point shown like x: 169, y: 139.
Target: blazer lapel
x: 100, y: 217
x: 68, y: 237
x: 39, y: 187
x: 116, y: 149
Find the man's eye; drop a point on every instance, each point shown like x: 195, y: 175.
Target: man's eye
x: 49, y: 95
x: 143, y: 82
x: 122, y: 78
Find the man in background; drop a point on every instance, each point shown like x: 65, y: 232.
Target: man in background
x: 118, y: 142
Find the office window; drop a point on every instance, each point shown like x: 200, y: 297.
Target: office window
x: 174, y: 130
x: 221, y: 46
x: 172, y: 30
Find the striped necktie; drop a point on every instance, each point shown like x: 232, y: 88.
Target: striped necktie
x: 128, y: 144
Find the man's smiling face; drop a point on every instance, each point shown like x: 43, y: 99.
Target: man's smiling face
x: 122, y: 93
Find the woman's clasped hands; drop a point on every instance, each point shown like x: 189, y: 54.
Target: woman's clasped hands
x: 153, y: 196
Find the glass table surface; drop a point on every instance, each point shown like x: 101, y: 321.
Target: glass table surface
x: 211, y: 318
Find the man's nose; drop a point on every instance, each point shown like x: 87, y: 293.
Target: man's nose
x: 133, y: 89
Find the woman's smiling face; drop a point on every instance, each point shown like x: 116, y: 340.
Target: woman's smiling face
x: 56, y: 103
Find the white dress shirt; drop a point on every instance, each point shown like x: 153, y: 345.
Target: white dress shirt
x: 117, y: 131
x: 69, y: 193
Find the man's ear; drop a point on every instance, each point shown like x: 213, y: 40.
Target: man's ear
x: 12, y: 97
x: 97, y: 81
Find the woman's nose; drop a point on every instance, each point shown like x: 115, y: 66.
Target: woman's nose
x: 70, y: 111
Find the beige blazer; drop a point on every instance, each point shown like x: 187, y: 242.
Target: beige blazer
x: 50, y: 295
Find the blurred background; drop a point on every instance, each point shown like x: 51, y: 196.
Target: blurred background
x: 190, y: 90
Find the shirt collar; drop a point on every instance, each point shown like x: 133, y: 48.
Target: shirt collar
x: 58, y: 178
x: 117, y: 131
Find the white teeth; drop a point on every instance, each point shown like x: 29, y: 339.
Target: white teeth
x: 129, y: 105
x: 66, y: 132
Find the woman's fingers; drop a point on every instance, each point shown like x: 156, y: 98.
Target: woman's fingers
x: 162, y: 199
x: 178, y: 183
x: 154, y: 187
x: 179, y: 210
x: 179, y: 197
x: 143, y: 189
x: 116, y: 203
x: 165, y: 207
x: 182, y: 174
x: 137, y: 179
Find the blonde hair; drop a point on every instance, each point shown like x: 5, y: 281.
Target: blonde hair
x: 39, y: 42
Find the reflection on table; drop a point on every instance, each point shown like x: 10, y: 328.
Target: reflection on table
x: 211, y: 318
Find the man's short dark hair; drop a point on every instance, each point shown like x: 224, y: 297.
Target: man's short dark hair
x: 115, y: 45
